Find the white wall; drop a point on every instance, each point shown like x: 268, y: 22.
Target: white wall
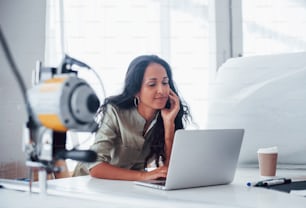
x: 23, y: 24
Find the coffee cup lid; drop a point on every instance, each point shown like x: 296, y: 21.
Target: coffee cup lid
x: 268, y: 150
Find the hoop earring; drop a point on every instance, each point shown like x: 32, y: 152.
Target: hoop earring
x: 136, y: 101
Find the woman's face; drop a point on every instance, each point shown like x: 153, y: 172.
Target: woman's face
x: 155, y: 88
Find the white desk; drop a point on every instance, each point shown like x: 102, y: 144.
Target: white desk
x: 91, y: 192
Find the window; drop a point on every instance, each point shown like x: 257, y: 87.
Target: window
x: 108, y: 34
x: 273, y: 26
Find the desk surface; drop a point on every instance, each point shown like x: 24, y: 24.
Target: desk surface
x: 90, y: 192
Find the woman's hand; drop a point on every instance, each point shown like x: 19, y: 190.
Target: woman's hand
x: 169, y: 114
x: 160, y: 172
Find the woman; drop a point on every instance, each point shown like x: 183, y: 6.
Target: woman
x: 138, y: 125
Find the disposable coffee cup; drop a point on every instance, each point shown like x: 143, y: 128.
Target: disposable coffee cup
x: 267, y: 160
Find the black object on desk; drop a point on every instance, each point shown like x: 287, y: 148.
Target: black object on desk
x: 287, y: 187
x: 273, y: 182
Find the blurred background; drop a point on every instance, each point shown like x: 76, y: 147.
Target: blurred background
x: 195, y: 36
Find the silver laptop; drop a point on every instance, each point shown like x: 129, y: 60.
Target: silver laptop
x: 201, y: 158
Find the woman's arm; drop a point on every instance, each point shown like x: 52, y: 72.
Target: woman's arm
x: 169, y: 116
x: 108, y: 171
x: 169, y: 136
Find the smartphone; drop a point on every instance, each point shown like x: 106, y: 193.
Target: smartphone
x: 168, y: 104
